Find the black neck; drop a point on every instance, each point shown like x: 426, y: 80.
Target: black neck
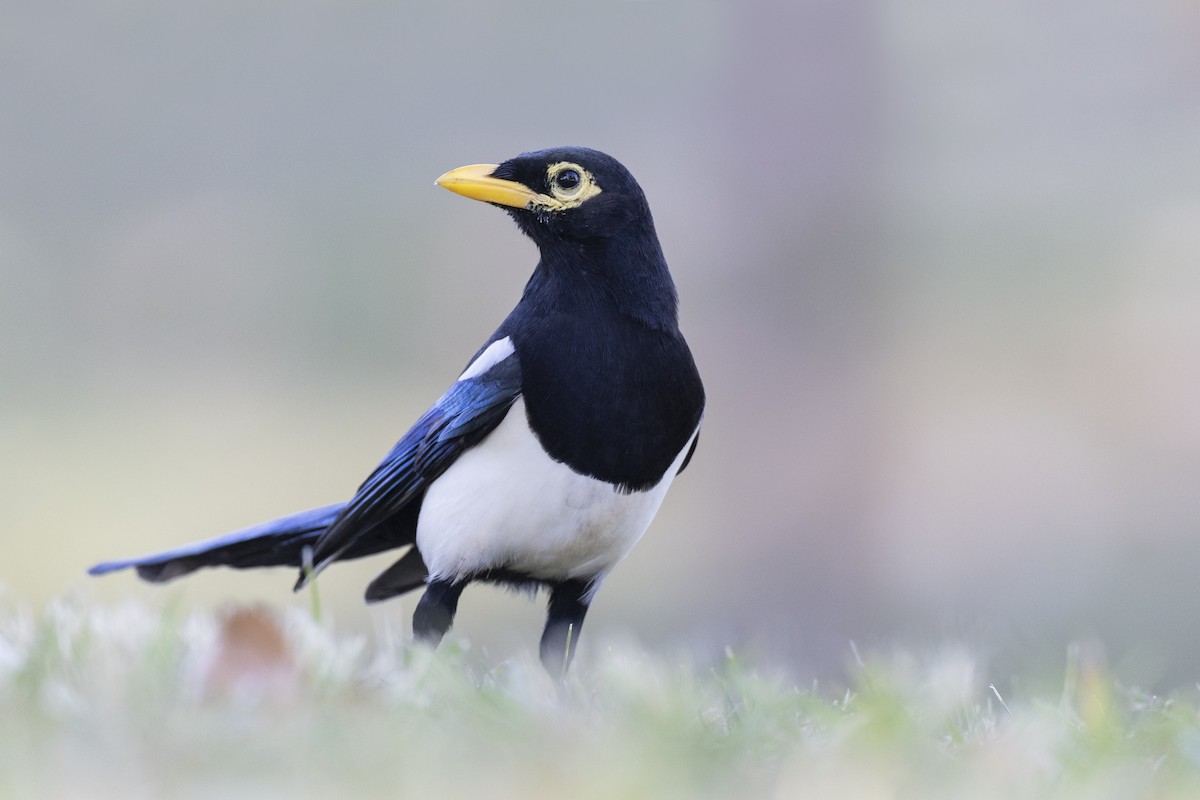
x: 628, y: 271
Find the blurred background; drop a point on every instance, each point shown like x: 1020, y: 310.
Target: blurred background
x: 939, y: 264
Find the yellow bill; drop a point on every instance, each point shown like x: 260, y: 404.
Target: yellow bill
x: 476, y: 182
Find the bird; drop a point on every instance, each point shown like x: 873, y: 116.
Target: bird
x: 547, y: 458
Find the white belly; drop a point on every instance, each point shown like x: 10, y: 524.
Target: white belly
x: 506, y: 504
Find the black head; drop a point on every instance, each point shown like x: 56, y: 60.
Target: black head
x: 590, y: 221
x: 563, y: 193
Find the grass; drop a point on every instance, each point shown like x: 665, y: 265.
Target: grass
x: 129, y: 701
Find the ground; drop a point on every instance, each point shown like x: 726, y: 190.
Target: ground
x: 129, y: 701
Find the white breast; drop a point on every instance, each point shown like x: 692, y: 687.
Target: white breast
x: 506, y: 504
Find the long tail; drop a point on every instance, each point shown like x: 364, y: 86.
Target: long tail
x: 278, y: 543
x: 281, y: 543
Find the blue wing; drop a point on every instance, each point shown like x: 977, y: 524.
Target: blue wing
x: 383, y: 513
x: 459, y: 420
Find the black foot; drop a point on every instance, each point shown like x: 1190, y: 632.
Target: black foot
x: 564, y: 620
x: 435, y: 612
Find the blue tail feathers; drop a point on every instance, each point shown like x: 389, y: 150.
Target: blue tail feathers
x: 278, y: 543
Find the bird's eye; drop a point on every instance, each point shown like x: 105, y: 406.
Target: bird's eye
x: 570, y: 185
x: 567, y: 180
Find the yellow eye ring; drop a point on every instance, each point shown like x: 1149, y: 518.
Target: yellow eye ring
x: 569, y: 181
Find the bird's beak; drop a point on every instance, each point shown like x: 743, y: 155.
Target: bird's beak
x: 476, y: 182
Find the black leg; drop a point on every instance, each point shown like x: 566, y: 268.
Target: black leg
x: 435, y: 612
x: 564, y: 619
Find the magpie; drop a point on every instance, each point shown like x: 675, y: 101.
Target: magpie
x: 545, y: 461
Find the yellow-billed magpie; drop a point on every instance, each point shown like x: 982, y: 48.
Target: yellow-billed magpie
x: 544, y: 463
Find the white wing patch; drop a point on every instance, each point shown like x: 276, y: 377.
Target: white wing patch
x: 505, y: 503
x: 496, y: 352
